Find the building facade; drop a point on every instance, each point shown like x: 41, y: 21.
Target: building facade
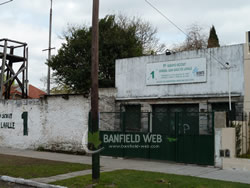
x: 200, y: 81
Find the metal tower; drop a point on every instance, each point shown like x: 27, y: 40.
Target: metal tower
x: 14, y: 67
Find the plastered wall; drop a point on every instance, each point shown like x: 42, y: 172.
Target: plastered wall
x: 54, y: 122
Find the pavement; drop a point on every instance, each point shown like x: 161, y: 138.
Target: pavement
x: 110, y: 164
x: 12, y: 185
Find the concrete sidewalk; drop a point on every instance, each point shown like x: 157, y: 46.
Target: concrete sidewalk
x: 110, y: 164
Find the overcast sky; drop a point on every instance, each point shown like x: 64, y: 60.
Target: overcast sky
x: 28, y: 21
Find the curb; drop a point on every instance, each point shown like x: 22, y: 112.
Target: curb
x: 28, y: 182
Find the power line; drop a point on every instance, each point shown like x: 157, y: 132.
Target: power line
x: 6, y: 2
x: 181, y: 30
x: 166, y: 18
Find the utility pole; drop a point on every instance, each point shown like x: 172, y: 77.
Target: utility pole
x: 229, y: 86
x: 94, y: 87
x: 49, y: 49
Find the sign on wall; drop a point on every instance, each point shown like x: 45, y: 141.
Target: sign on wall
x: 6, y: 121
x: 176, y: 72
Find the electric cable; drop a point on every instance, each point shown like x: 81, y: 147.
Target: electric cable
x: 162, y: 14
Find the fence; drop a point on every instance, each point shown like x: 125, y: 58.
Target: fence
x: 182, y: 137
x: 242, y: 131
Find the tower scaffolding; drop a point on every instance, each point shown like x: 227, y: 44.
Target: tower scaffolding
x: 14, y: 55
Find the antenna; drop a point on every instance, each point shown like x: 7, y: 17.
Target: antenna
x: 49, y: 49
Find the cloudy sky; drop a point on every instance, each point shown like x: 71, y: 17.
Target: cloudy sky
x: 28, y: 21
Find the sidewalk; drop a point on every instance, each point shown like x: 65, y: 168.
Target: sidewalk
x: 109, y: 164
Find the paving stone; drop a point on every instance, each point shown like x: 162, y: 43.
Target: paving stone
x: 109, y: 164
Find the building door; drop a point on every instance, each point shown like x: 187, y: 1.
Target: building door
x: 164, y: 118
x: 179, y: 123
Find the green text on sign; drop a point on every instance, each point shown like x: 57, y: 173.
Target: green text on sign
x: 25, y: 123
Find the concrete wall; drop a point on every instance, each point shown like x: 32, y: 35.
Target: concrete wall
x: 224, y: 140
x: 131, y: 75
x: 244, y: 135
x: 217, y: 147
x: 220, y: 120
x: 228, y: 140
x: 54, y: 122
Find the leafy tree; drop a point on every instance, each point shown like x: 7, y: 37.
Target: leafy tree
x: 56, y: 88
x: 145, y: 33
x: 213, y: 40
x: 118, y: 38
x: 195, y: 40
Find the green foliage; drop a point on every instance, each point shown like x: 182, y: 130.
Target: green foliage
x: 72, y: 64
x: 213, y: 40
x: 246, y: 156
x: 61, y: 89
x: 142, y: 179
x: 238, y: 127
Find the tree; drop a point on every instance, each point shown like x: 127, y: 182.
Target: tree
x: 56, y: 87
x: 119, y: 38
x: 213, y: 40
x: 195, y: 40
x: 145, y: 33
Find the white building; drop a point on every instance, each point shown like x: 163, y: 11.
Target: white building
x: 206, y: 79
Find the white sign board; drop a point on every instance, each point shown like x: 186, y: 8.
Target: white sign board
x: 177, y: 72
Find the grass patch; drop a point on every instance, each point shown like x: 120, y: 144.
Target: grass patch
x: 25, y: 167
x: 246, y: 156
x: 142, y: 179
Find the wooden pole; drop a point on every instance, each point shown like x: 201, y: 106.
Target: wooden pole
x: 94, y: 87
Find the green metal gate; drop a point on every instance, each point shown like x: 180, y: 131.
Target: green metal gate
x: 186, y: 137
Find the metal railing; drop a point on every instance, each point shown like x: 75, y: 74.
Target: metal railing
x: 162, y: 122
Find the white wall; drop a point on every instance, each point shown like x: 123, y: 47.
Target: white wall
x: 217, y: 147
x: 224, y: 140
x: 54, y: 122
x: 131, y: 75
x: 247, y: 75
